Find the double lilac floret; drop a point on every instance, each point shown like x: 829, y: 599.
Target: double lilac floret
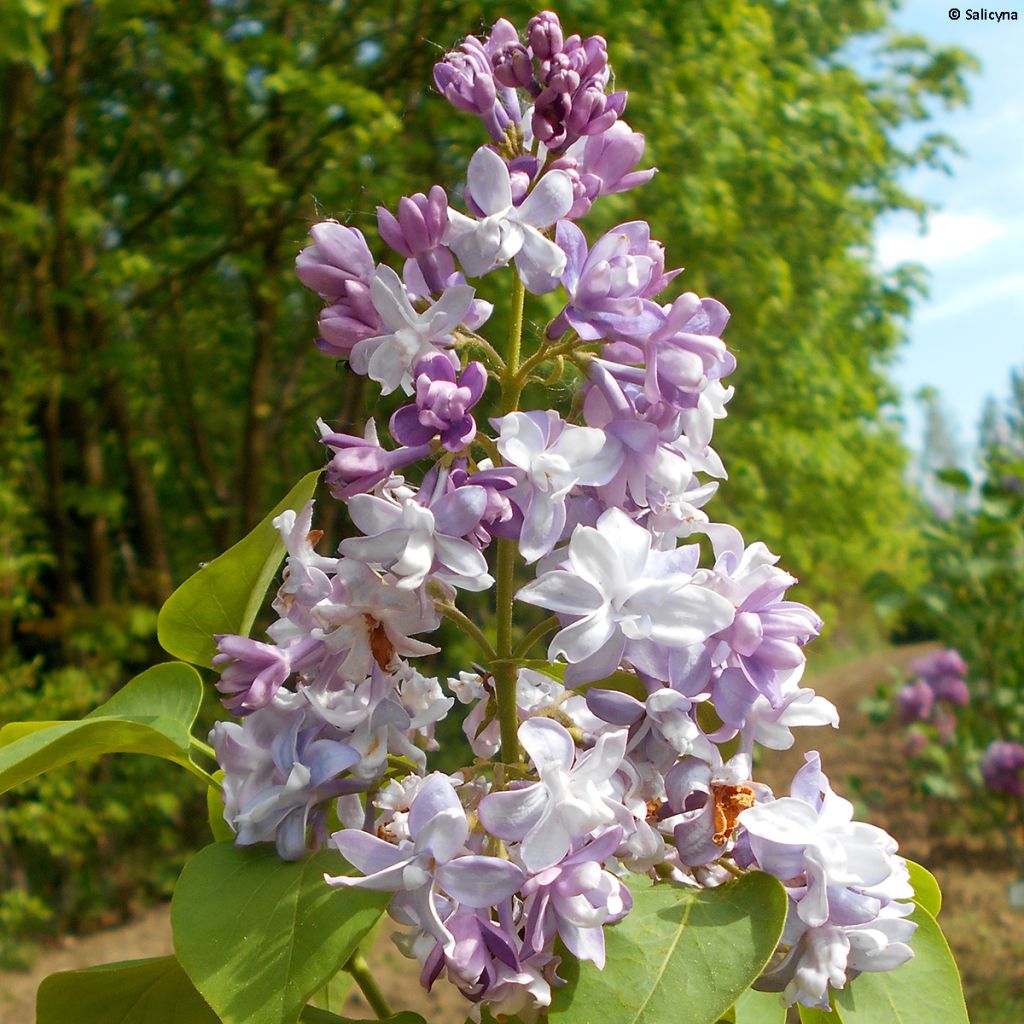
x: 442, y: 405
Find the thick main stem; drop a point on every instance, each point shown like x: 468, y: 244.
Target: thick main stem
x: 504, y: 668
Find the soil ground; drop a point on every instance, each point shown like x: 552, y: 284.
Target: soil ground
x: 987, y: 936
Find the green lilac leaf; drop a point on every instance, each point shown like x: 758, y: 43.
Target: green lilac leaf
x: 259, y: 936
x: 682, y: 954
x: 225, y: 595
x: 152, y: 714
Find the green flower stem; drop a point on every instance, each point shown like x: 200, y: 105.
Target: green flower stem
x: 360, y: 970
x: 538, y: 631
x: 203, y: 748
x: 504, y: 669
x: 464, y: 622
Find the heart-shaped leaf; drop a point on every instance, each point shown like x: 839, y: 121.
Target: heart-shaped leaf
x: 258, y: 935
x: 225, y: 595
x: 153, y: 991
x: 152, y: 714
x: 924, y: 990
x: 682, y: 954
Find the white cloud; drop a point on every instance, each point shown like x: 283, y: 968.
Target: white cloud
x: 948, y: 236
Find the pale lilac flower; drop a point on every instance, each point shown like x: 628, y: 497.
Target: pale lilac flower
x: 554, y: 457
x: 662, y: 728
x: 606, y: 161
x: 389, y: 358
x: 574, y: 899
x: 277, y: 770
x: 1002, y: 767
x: 743, y: 709
x: 570, y: 801
x: 506, y: 231
x: 252, y: 672
x: 610, y: 286
x: 848, y: 869
x: 619, y: 592
x: 413, y: 540
x: 306, y: 572
x: 766, y: 637
x: 434, y: 858
x: 694, y: 789
x: 442, y: 404
x: 370, y: 620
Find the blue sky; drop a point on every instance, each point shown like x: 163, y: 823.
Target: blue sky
x: 969, y: 333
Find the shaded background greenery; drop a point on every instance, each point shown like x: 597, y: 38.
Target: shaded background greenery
x: 160, y: 161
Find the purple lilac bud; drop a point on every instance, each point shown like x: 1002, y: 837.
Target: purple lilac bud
x: 544, y: 32
x: 1002, y: 767
x: 466, y: 79
x: 513, y: 67
x: 915, y: 702
x: 339, y: 266
x: 418, y: 233
x: 360, y: 463
x: 442, y: 405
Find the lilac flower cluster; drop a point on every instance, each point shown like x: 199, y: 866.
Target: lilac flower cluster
x: 938, y: 687
x: 610, y: 759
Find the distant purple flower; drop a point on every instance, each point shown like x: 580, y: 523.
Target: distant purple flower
x: 940, y: 663
x: 610, y: 286
x: 442, y: 404
x: 951, y: 689
x: 1002, y: 767
x: 915, y: 702
x: 360, y: 463
x: 418, y: 233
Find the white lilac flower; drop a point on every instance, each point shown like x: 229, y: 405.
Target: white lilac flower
x: 507, y: 232
x: 433, y: 860
x: 571, y: 800
x: 389, y: 358
x: 848, y: 869
x: 306, y: 573
x: 554, y: 457
x: 620, y: 597
x: 368, y: 619
x: 414, y: 539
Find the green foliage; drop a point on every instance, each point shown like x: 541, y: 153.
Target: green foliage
x: 278, y: 933
x: 151, y: 715
x: 680, y: 954
x: 155, y: 991
x: 926, y: 890
x: 225, y: 595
